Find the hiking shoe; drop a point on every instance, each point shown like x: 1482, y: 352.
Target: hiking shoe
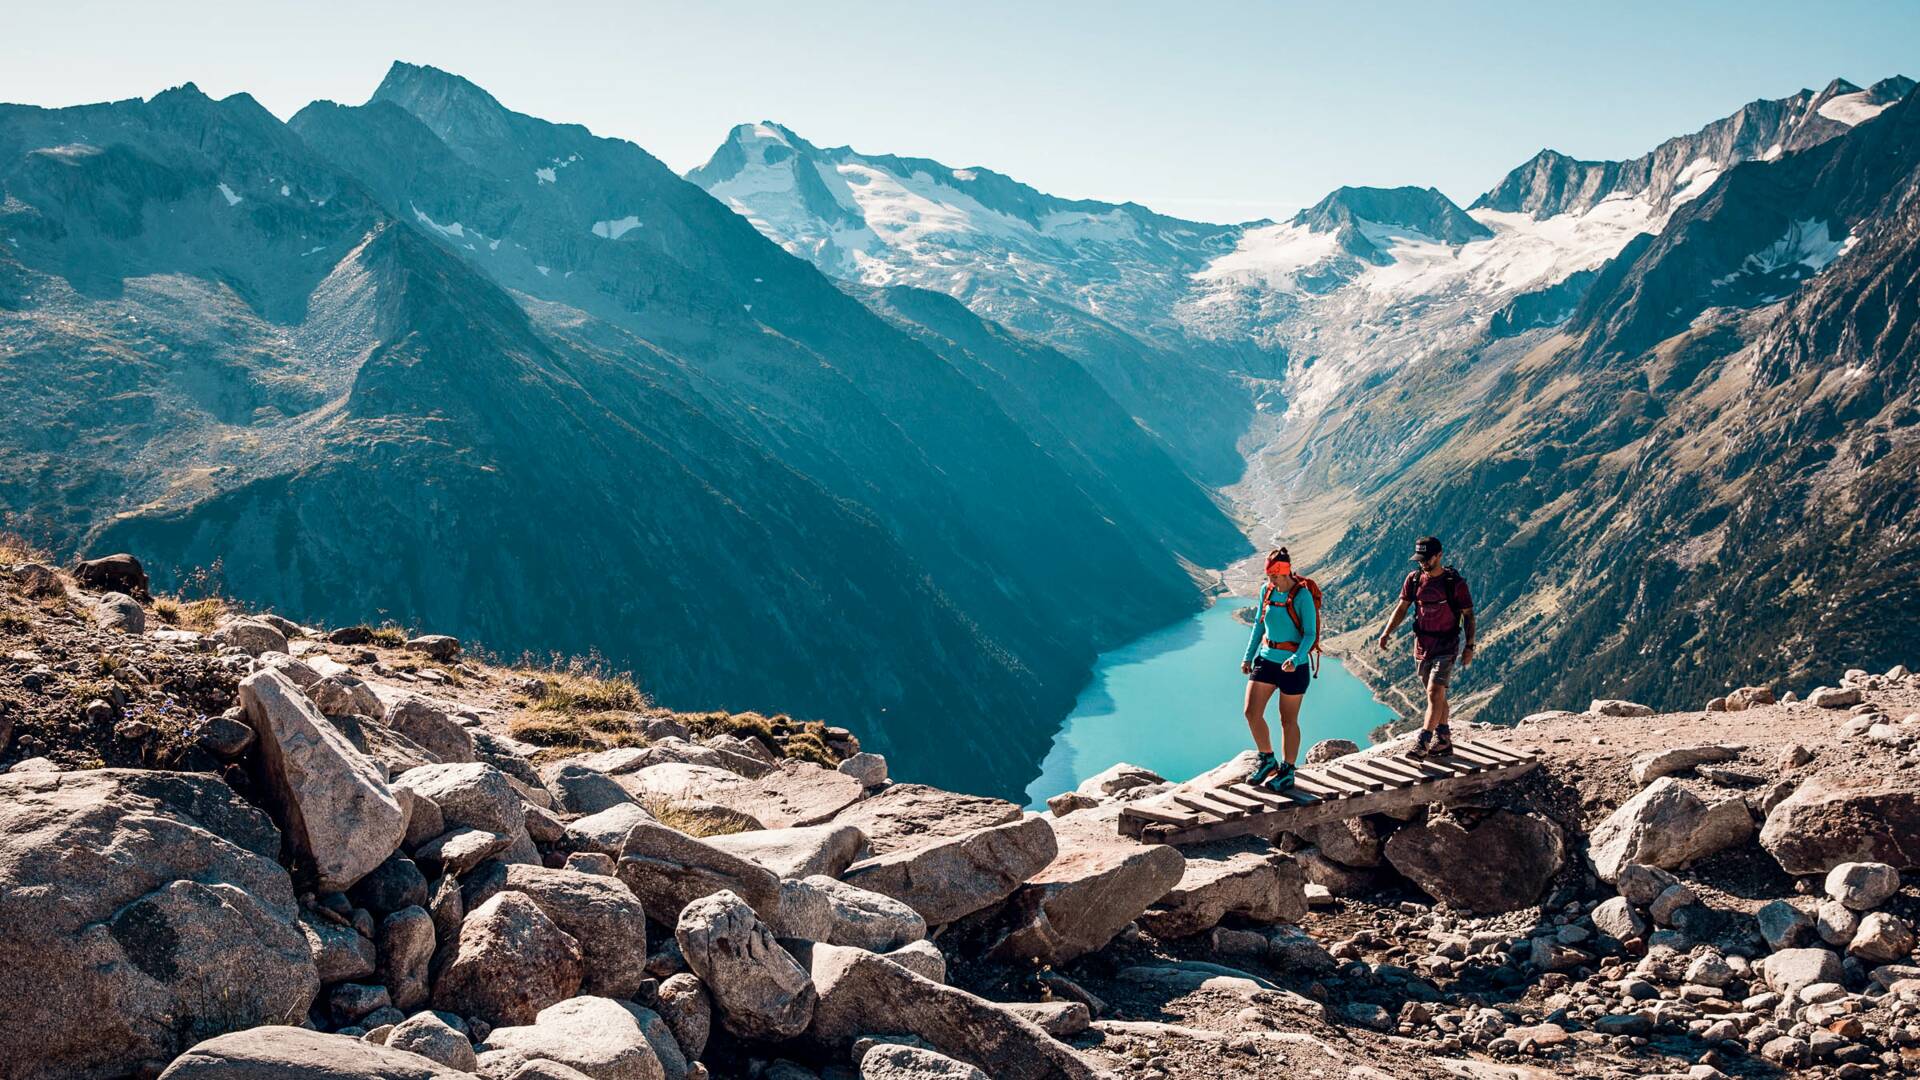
x: 1421, y: 744
x: 1282, y: 777
x: 1442, y: 742
x: 1263, y: 767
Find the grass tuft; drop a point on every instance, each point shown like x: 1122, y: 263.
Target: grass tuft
x: 203, y: 615
x: 692, y: 822
x: 15, y: 548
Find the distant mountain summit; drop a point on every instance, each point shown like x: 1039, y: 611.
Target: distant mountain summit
x: 1352, y: 211
x: 1682, y: 168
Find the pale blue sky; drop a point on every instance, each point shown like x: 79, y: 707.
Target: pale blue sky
x: 1222, y: 111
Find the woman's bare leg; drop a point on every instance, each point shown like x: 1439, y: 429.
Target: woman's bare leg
x: 1258, y: 694
x: 1290, y: 725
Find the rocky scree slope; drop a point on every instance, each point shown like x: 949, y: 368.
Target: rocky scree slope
x: 433, y: 325
x: 328, y: 854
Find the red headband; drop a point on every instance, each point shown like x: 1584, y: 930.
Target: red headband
x: 1280, y: 566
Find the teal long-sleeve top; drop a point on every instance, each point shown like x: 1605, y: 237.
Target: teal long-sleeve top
x: 1275, y: 610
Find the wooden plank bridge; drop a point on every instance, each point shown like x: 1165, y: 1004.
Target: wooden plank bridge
x: 1370, y: 782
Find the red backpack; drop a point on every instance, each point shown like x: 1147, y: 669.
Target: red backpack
x: 1319, y: 617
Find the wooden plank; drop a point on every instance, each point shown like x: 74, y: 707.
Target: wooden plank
x: 1309, y: 784
x: 1373, y: 771
x: 1275, y: 800
x: 1242, y: 800
x: 1499, y: 755
x: 1197, y: 800
x: 1347, y: 788
x: 1356, y: 779
x: 1443, y: 766
x: 1412, y: 771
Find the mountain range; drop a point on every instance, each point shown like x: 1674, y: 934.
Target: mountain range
x: 904, y: 446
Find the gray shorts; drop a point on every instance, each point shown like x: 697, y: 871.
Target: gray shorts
x: 1436, y: 671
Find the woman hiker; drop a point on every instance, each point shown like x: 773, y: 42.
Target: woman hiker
x: 1285, y: 632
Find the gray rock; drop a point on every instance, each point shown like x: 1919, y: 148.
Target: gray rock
x: 1354, y: 842
x: 605, y: 831
x: 334, y: 806
x: 119, y: 572
x: 344, y: 694
x: 1670, y: 903
x: 471, y: 794
x: 600, y: 913
x: 223, y: 737
x: 1068, y: 801
x: 923, y: 958
x: 1616, y: 918
x: 407, y: 941
x: 1788, y: 970
x: 1830, y: 820
x: 1244, y: 877
x: 893, y: 1061
x: 909, y: 815
x: 683, y: 1003
x: 394, y: 884
x: 1096, y: 885
x: 860, y: 993
x: 601, y: 1038
x: 1862, y: 886
x: 156, y: 892
x: 798, y: 852
x: 1292, y: 949
x: 1655, y: 764
x: 291, y: 1053
x: 1329, y: 749
x: 953, y: 877
x: 1118, y: 778
x: 510, y: 962
x: 427, y: 722
x: 457, y: 851
x: 340, y: 953
x: 431, y: 1037
x: 1499, y: 863
x: 1710, y: 969
x: 865, y: 919
x: 1666, y: 826
x: 1641, y: 885
x: 1882, y: 938
x: 1616, y: 707
x: 803, y: 912
x: 869, y: 769
x: 1782, y: 925
x: 439, y: 647
x: 37, y: 580
x: 579, y: 790
x: 1834, y: 697
x: 667, y: 870
x: 760, y: 991
x: 591, y: 862
x: 1836, y: 923
x: 118, y: 611
x: 251, y: 636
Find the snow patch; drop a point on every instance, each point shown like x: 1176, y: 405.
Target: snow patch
x: 546, y: 175
x: 232, y: 199
x: 285, y: 191
x: 1807, y: 242
x: 1694, y: 180
x: 454, y: 230
x: 617, y: 228
x: 1852, y: 109
x: 963, y: 175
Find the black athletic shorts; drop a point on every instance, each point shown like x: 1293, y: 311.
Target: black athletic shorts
x: 1289, y: 682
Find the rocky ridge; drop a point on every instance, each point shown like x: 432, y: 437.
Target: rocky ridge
x: 257, y: 848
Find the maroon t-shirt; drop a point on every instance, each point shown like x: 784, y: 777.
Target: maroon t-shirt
x: 1436, y: 626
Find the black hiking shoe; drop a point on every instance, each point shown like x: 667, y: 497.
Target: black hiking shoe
x: 1442, y: 742
x: 1421, y: 745
x: 1282, y: 777
x: 1263, y: 767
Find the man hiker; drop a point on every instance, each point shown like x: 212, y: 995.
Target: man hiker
x: 1444, y: 608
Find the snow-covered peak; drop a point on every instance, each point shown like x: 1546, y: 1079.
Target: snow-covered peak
x: 1010, y: 251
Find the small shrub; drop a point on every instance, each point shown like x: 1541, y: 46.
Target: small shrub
x: 203, y: 615
x: 561, y: 735
x: 585, y: 685
x: 675, y: 816
x: 388, y: 635
x: 15, y: 548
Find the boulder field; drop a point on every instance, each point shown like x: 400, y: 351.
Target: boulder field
x: 252, y: 848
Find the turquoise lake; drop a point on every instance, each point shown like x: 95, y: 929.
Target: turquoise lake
x: 1171, y: 702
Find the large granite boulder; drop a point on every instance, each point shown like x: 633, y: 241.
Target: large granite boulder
x: 861, y: 994
x: 119, y: 572
x: 667, y: 870
x: 1667, y: 826
x: 291, y: 1053
x: 683, y: 1003
x: 470, y: 793
x: 893, y: 1061
x: 1498, y: 863
x: 1831, y: 820
x: 864, y: 919
x: 1655, y: 764
x: 602, y: 1038
x: 601, y: 913
x: 797, y: 852
x: 577, y: 789
x: 427, y: 1034
x: 795, y: 793
x: 605, y: 831
x: 428, y: 723
x: 760, y: 991
x: 139, y: 913
x: 338, y: 816
x: 509, y: 962
x: 1097, y: 884
x: 1243, y: 876
x: 255, y: 637
x: 950, y: 878
x: 909, y: 815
